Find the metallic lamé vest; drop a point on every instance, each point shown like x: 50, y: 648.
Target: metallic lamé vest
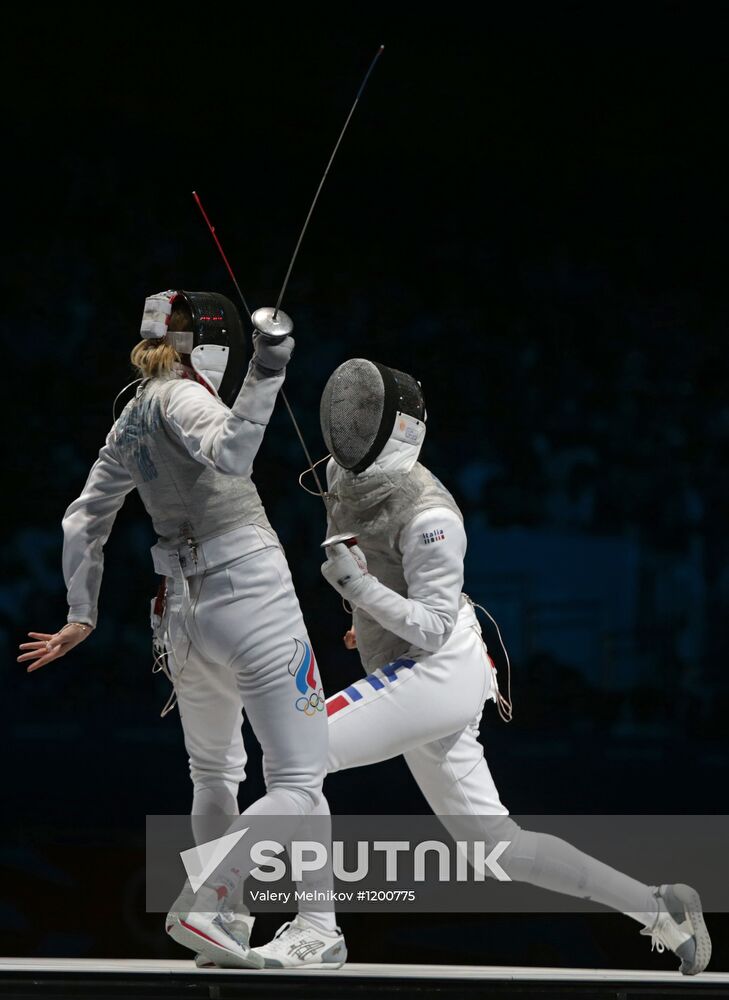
x: 185, y: 499
x: 378, y: 529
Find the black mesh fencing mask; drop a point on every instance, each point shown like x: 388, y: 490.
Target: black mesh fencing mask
x: 358, y: 409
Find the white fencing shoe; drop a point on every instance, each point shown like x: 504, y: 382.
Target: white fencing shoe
x: 300, y: 945
x: 240, y: 928
x: 204, y: 963
x: 219, y: 934
x: 680, y: 927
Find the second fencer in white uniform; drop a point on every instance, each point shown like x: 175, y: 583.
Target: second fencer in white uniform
x: 428, y: 672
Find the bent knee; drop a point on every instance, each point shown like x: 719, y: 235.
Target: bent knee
x: 305, y: 795
x: 206, y: 774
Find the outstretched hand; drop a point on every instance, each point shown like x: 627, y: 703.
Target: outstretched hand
x: 47, y: 646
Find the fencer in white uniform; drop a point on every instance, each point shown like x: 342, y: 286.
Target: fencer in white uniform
x: 230, y: 619
x: 428, y: 672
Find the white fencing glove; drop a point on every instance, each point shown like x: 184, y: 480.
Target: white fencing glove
x: 272, y: 357
x: 346, y: 570
x: 156, y: 315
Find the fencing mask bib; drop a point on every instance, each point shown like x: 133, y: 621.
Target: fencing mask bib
x: 216, y: 343
x: 363, y: 405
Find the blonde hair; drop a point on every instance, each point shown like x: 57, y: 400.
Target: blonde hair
x: 156, y: 357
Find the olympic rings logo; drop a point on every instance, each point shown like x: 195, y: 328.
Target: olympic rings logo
x: 316, y: 702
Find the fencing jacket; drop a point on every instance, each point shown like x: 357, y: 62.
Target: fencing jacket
x: 411, y: 532
x: 190, y: 458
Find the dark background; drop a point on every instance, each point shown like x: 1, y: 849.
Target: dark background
x: 529, y: 214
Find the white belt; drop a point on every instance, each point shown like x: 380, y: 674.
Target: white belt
x: 190, y: 559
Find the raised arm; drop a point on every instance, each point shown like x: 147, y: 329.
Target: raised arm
x: 228, y: 439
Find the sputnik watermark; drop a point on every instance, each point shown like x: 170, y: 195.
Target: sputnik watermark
x: 300, y: 896
x: 474, y: 860
x: 200, y: 862
x: 424, y: 863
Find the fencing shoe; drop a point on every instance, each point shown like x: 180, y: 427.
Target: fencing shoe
x: 240, y: 928
x: 680, y: 927
x: 214, y: 931
x: 299, y: 944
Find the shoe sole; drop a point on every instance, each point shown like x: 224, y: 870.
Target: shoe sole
x: 202, y: 962
x: 207, y: 964
x: 307, y: 965
x: 691, y: 902
x: 189, y: 937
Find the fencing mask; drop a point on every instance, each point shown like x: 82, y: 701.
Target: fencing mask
x: 213, y: 337
x: 216, y: 342
x: 363, y: 405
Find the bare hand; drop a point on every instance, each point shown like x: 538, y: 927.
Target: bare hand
x: 350, y: 639
x: 51, y: 646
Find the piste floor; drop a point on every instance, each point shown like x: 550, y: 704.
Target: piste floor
x: 141, y: 980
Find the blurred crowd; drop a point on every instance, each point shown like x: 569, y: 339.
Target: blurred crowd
x: 571, y: 395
